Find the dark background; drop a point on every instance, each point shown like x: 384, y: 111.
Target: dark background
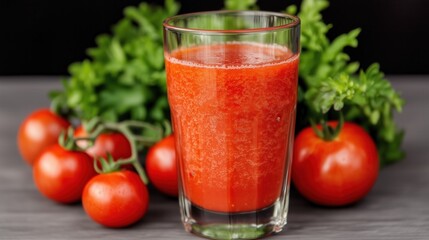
x: 42, y: 37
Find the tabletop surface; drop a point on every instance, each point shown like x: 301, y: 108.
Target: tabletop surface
x: 396, y: 208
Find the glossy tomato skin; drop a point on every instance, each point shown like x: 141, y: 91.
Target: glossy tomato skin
x: 61, y: 175
x: 113, y: 142
x: 116, y: 199
x: 161, y: 166
x: 38, y: 131
x: 338, y: 172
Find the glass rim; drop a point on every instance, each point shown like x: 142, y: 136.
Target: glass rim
x: 168, y: 26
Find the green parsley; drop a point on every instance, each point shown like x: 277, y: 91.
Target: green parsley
x: 124, y: 77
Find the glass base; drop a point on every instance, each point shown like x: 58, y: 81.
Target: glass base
x: 247, y: 225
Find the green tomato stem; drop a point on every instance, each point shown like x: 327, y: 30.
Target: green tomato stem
x: 327, y: 132
x: 124, y: 129
x: 96, y: 127
x: 66, y: 140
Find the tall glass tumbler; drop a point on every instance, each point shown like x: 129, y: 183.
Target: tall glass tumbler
x: 232, y: 88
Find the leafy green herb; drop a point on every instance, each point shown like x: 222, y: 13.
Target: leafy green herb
x: 124, y: 79
x: 240, y: 5
x: 330, y: 81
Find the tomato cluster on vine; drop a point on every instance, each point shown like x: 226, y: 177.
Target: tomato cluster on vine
x: 98, y: 165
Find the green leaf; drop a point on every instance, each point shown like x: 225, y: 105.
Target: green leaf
x: 240, y: 4
x: 328, y: 83
x: 172, y: 7
x: 292, y: 9
x: 338, y: 45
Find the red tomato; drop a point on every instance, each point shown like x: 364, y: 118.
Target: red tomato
x: 116, y: 199
x: 113, y: 142
x: 61, y: 175
x: 337, y: 172
x: 161, y: 166
x: 38, y: 131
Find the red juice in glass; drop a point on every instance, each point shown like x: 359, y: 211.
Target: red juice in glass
x: 233, y: 112
x: 233, y: 106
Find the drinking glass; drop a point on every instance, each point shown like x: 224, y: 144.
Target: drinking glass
x: 232, y: 89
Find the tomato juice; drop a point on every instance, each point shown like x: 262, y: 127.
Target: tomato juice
x: 233, y: 110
